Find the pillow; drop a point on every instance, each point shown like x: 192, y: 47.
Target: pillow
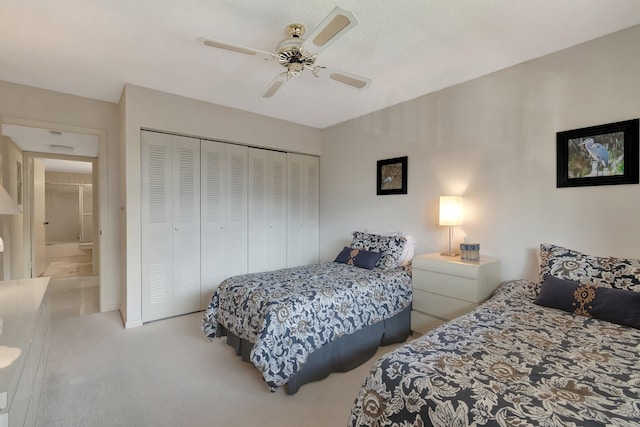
x: 407, y: 250
x: 613, y: 305
x: 390, y: 246
x: 619, y: 273
x: 358, y: 257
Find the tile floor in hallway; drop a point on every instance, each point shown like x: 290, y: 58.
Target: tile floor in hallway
x: 74, y: 292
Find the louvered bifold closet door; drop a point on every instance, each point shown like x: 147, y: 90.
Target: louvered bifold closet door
x: 267, y: 210
x: 236, y: 210
x: 157, y: 225
x: 302, y: 210
x: 170, y: 229
x: 213, y: 218
x: 311, y: 210
x: 186, y: 225
x: 224, y: 214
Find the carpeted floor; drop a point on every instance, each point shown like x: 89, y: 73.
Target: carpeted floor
x: 166, y: 373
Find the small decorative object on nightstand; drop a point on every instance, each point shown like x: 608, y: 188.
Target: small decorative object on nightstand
x: 444, y: 288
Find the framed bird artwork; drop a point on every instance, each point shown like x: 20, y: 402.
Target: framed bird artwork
x: 392, y: 176
x: 598, y: 155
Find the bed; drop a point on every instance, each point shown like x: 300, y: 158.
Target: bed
x: 299, y: 324
x: 564, y: 351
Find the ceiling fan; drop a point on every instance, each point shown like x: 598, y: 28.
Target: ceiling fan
x: 296, y: 53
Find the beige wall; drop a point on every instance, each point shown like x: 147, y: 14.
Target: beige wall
x: 493, y: 141
x: 142, y: 108
x: 30, y: 106
x: 62, y: 201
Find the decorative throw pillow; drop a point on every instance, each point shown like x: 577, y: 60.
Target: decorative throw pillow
x: 613, y: 305
x: 408, y: 249
x: 389, y: 246
x: 619, y: 273
x: 358, y: 257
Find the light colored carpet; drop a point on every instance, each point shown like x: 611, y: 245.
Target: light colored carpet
x: 167, y: 373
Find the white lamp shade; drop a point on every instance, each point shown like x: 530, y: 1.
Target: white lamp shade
x: 7, y: 205
x: 450, y: 210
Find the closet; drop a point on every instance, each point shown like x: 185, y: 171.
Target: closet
x: 170, y: 191
x: 212, y: 210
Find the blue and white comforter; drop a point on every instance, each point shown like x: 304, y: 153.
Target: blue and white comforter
x: 287, y: 314
x: 508, y: 363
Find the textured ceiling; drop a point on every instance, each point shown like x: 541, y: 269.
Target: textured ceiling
x: 408, y: 48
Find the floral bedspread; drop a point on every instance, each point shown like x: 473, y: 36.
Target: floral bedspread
x: 287, y: 314
x: 508, y: 363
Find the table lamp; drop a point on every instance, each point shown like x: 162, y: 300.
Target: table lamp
x: 451, y: 216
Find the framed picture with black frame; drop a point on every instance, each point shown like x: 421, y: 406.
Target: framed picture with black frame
x: 598, y: 155
x: 392, y: 176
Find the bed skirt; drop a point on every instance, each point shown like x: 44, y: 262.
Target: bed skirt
x: 341, y: 355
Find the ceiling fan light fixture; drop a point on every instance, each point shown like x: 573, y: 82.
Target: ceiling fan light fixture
x: 296, y: 53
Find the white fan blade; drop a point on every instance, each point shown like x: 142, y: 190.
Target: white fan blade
x: 235, y: 48
x: 337, y: 23
x: 275, y: 85
x: 349, y: 79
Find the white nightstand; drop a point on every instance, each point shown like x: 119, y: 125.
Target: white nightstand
x: 445, y: 287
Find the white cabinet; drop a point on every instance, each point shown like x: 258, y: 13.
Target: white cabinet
x: 224, y: 214
x: 24, y: 348
x: 267, y: 210
x: 170, y: 174
x: 445, y: 287
x: 303, y: 222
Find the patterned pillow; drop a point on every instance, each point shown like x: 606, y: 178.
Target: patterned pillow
x: 358, y: 257
x: 613, y: 305
x: 390, y: 246
x: 619, y: 273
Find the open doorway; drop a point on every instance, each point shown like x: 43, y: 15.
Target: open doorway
x: 61, y: 212
x: 68, y: 219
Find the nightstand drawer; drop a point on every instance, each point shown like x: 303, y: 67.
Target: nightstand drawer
x: 422, y: 323
x: 440, y: 306
x: 445, y: 284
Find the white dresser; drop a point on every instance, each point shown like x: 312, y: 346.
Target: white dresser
x: 445, y: 287
x: 25, y: 315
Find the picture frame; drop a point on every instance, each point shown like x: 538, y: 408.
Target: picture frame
x: 598, y: 155
x: 392, y: 176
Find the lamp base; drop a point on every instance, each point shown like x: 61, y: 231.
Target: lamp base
x: 452, y: 254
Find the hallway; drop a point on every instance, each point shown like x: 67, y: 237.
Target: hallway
x: 74, y: 291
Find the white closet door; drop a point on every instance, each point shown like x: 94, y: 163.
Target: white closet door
x: 302, y: 210
x: 277, y: 210
x: 267, y: 210
x: 186, y: 225
x: 213, y: 218
x: 236, y: 210
x: 258, y: 242
x: 311, y: 210
x: 157, y: 225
